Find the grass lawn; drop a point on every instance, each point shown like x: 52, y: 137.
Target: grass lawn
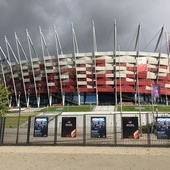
x: 12, y: 119
x: 159, y: 108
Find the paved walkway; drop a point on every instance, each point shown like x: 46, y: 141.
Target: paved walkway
x: 76, y: 158
x: 104, y: 108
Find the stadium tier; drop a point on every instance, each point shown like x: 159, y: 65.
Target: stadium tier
x: 99, y: 78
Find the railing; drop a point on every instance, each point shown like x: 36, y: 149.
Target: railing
x: 114, y: 133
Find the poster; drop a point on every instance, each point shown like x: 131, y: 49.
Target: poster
x: 98, y: 127
x: 68, y: 127
x: 130, y: 127
x: 156, y: 91
x: 163, y: 127
x: 41, y: 127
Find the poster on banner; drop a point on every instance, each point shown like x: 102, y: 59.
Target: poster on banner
x: 156, y: 90
x: 98, y: 127
x: 130, y: 127
x: 41, y: 127
x: 142, y: 64
x: 163, y: 127
x: 68, y: 127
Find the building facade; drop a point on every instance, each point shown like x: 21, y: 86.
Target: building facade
x: 100, y: 78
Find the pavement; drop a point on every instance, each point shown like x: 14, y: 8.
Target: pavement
x: 76, y: 158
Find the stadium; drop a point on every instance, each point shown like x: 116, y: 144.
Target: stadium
x: 95, y: 78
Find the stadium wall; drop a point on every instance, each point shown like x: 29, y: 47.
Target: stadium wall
x: 87, y: 78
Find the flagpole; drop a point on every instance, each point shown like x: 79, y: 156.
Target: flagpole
x: 138, y: 95
x: 120, y: 84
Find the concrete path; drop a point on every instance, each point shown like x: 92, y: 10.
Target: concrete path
x: 76, y: 158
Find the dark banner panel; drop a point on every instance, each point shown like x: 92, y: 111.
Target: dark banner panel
x: 163, y: 127
x: 41, y: 127
x: 130, y: 127
x: 98, y: 127
x: 68, y: 127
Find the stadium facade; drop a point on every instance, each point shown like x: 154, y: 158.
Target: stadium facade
x: 98, y: 78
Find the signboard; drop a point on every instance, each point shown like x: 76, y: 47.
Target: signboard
x: 130, y: 127
x: 98, y: 127
x: 163, y: 127
x: 41, y: 127
x: 156, y: 91
x: 68, y: 127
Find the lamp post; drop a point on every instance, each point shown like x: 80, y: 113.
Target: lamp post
x: 19, y: 106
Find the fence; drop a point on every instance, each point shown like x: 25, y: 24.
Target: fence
x: 116, y: 134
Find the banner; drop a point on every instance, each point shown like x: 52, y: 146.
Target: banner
x: 68, y: 127
x: 41, y: 127
x: 156, y: 90
x: 98, y: 127
x: 130, y: 127
x: 142, y: 64
x: 163, y: 127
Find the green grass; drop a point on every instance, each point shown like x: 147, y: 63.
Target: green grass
x: 12, y: 119
x: 160, y: 108
x: 68, y: 109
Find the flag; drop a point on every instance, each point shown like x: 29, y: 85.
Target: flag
x: 156, y: 90
x: 142, y: 64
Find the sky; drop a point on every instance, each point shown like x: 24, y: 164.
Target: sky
x: 19, y: 15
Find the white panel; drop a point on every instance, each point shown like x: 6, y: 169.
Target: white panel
x: 82, y: 83
x: 81, y: 75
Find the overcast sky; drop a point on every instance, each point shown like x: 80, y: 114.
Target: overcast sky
x: 19, y: 15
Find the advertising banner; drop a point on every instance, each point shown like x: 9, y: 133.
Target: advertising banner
x: 41, y: 127
x: 68, y: 127
x: 142, y: 64
x: 163, y: 127
x: 130, y: 127
x: 156, y: 90
x: 98, y: 127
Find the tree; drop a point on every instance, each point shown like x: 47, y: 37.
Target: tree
x: 4, y: 101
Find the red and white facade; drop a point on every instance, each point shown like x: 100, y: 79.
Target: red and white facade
x: 94, y: 72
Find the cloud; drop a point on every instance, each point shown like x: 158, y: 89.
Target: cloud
x: 19, y: 15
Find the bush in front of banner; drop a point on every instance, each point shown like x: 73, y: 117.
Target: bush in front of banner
x: 98, y: 127
x: 163, y: 127
x: 68, y: 127
x: 41, y: 127
x: 130, y: 127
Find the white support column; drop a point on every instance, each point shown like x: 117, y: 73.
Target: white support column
x: 75, y: 51
x: 58, y: 46
x: 18, y: 101
x: 28, y: 100
x: 31, y: 46
x: 44, y: 48
x: 10, y: 102
x: 50, y: 100
x: 97, y: 98
x: 38, y: 100
x: 79, y: 102
x: 63, y: 99
x: 94, y: 59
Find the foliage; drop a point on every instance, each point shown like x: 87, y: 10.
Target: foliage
x: 4, y: 101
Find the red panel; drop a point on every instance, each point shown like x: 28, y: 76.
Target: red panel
x: 130, y: 68
x: 100, y: 75
x: 130, y: 76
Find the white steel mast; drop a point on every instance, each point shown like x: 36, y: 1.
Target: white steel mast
x: 58, y: 46
x: 75, y: 51
x: 43, y: 44
x: 94, y: 61
x: 30, y: 44
x: 23, y: 81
